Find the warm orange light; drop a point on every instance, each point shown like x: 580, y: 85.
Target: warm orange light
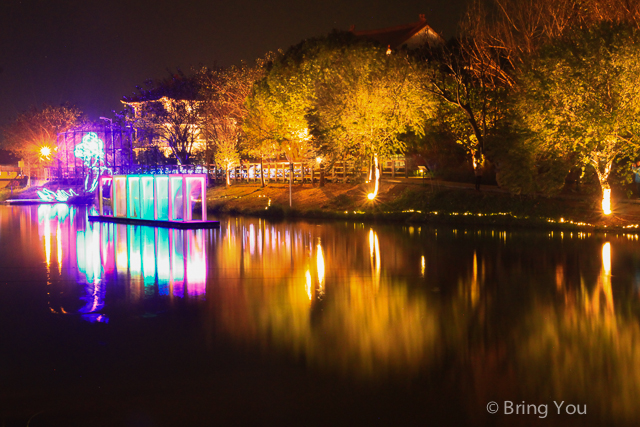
x: 606, y: 258
x: 45, y: 152
x: 320, y: 264
x: 308, y: 285
x: 606, y: 201
x: 373, y: 195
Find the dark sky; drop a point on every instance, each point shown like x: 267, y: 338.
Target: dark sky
x: 90, y: 53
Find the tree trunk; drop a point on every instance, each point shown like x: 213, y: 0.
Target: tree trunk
x: 603, y: 178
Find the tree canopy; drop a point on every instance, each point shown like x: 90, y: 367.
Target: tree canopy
x: 38, y: 128
x: 579, y: 96
x: 338, y: 96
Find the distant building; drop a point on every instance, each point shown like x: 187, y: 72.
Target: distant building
x: 181, y: 118
x: 411, y: 36
x: 168, y: 117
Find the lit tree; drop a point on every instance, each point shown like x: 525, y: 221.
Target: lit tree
x: 369, y: 100
x: 580, y: 96
x: 501, y: 35
x: 32, y: 136
x: 276, y: 121
x: 338, y: 96
x: 224, y: 92
x: 498, y: 38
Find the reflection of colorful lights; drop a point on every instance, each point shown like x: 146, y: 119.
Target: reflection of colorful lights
x: 47, y: 195
x: 174, y: 259
x: 47, y: 242
x: 59, y: 247
x: 196, y: 262
x: 423, y: 266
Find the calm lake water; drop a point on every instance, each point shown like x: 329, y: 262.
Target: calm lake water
x: 302, y: 323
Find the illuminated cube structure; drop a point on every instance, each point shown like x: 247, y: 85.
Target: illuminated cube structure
x: 156, y: 200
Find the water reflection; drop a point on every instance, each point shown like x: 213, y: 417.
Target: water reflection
x: 151, y: 262
x: 500, y: 315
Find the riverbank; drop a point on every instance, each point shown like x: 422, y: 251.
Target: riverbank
x: 415, y: 201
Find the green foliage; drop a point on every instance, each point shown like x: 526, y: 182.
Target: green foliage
x: 337, y: 96
x: 579, y: 97
x: 523, y: 166
x: 275, y: 124
x: 367, y: 100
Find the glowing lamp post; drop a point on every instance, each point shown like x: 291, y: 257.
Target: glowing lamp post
x: 319, y: 162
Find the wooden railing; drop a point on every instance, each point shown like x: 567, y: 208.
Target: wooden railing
x: 278, y: 172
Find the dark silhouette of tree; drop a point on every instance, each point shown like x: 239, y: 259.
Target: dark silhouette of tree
x: 168, y: 112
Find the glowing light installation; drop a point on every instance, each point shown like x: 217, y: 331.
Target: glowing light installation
x: 373, y: 195
x: 91, y: 151
x: 156, y: 200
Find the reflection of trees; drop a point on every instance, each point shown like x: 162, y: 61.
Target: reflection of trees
x: 583, y: 351
x: 329, y: 299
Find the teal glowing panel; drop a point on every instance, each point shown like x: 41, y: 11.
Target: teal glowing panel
x: 120, y: 196
x: 133, y: 183
x: 162, y: 197
x: 195, y: 187
x: 147, y: 200
x: 106, y: 205
x: 176, y: 202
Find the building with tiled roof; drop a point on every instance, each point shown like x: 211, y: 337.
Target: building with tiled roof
x: 412, y: 36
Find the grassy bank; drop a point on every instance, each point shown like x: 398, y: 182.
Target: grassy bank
x: 417, y: 203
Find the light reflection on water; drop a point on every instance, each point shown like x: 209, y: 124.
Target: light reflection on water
x: 500, y: 314
x: 150, y: 261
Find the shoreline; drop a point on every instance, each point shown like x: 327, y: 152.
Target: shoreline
x: 414, y: 203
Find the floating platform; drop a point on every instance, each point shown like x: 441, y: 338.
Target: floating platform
x: 29, y: 202
x: 166, y: 201
x: 182, y: 225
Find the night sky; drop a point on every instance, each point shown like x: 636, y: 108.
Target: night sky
x: 91, y: 53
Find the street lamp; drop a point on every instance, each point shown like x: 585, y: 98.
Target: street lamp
x: 45, y: 152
